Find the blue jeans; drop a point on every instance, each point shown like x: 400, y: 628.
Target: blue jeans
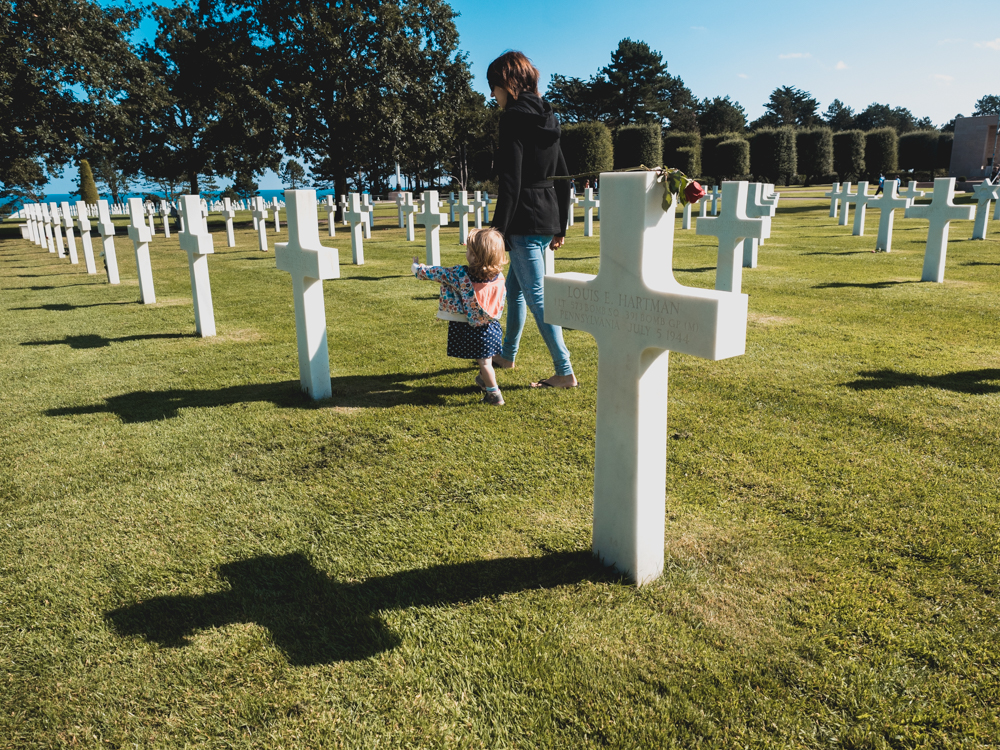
x: 524, y: 285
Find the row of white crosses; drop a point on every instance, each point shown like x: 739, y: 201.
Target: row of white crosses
x: 480, y: 208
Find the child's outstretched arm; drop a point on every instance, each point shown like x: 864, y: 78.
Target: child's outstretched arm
x: 436, y: 273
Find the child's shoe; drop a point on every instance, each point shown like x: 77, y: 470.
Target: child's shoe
x: 493, y: 397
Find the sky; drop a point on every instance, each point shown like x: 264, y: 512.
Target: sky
x: 915, y: 55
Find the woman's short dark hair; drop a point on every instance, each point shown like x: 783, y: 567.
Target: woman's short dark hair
x: 514, y: 72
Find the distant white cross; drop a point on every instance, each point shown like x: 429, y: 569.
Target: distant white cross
x: 399, y: 206
x: 703, y: 204
x: 940, y: 212
x: 356, y: 215
x: 486, y: 207
x: 845, y: 206
x: 686, y: 221
x: 637, y: 312
x: 342, y: 202
x: 911, y: 193
x: 331, y: 216
x: 165, y: 218
x: 479, y: 207
x: 309, y: 263
x: 277, y: 217
x: 834, y: 197
x: 463, y: 208
x: 756, y: 209
x: 589, y: 203
x: 138, y: 232
x: 715, y: 200
x: 367, y: 214
x: 260, y: 221
x: 451, y: 208
x: 573, y: 202
x: 197, y: 243
x: 228, y: 214
x: 887, y: 203
x: 986, y: 193
x: 432, y: 220
x: 860, y: 200
x: 731, y: 227
x: 408, y: 209
x: 107, y: 229
x: 151, y: 212
x: 83, y: 224
x: 67, y: 218
x: 56, y: 222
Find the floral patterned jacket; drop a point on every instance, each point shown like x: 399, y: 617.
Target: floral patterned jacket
x: 464, y: 299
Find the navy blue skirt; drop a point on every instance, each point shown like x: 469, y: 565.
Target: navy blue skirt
x: 474, y: 342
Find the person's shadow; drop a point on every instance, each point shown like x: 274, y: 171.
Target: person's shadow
x: 970, y: 381
x: 315, y: 619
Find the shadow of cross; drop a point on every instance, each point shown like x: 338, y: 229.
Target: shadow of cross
x: 637, y: 311
x: 315, y: 619
x: 969, y: 381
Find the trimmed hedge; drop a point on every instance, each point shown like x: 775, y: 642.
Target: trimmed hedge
x: 588, y: 149
x: 918, y: 150
x: 682, y: 151
x: 814, y: 151
x: 637, y: 145
x: 88, y: 188
x: 881, y: 152
x: 848, y: 153
x: 945, y: 143
x: 773, y: 154
x: 711, y: 166
x: 733, y: 158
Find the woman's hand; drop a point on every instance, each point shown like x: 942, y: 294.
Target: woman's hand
x: 557, y: 242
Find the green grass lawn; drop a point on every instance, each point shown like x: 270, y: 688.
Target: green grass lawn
x: 194, y: 554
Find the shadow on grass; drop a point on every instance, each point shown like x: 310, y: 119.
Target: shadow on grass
x: 859, y: 285
x: 46, y: 275
x: 695, y: 270
x: 979, y: 263
x: 315, y: 619
x: 375, y: 278
x: 349, y: 391
x: 841, y: 252
x: 970, y: 381
x: 64, y: 307
x: 786, y: 209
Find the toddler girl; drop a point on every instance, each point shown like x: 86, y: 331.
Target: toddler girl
x: 472, y: 299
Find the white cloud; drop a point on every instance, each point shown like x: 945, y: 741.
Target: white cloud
x: 742, y: 75
x: 794, y: 56
x: 943, y: 77
x: 841, y: 65
x: 995, y: 44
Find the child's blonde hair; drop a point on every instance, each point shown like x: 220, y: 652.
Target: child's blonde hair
x: 486, y: 252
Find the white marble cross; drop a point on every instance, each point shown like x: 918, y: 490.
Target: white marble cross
x: 309, y: 263
x: 834, y: 197
x: 686, y: 221
x: 940, y: 212
x: 198, y: 244
x: 107, y: 229
x: 486, y: 207
x: 83, y: 224
x: 228, y: 214
x: 986, y: 193
x: 29, y: 215
x: 756, y: 208
x: 703, y: 204
x: 463, y: 208
x: 151, y: 212
x: 573, y: 203
x: 432, y: 220
x: 67, y: 218
x: 637, y: 312
x: 479, y: 207
x: 277, y: 217
x: 260, y: 222
x: 409, y: 209
x: 399, y: 206
x: 165, y: 218
x: 845, y: 206
x: 56, y: 221
x: 342, y: 202
x: 356, y: 215
x: 715, y: 200
x: 367, y: 214
x: 731, y: 227
x: 331, y: 216
x: 138, y: 232
x: 860, y: 200
x: 46, y: 227
x: 911, y: 192
x: 886, y: 204
x: 589, y: 203
x: 451, y: 208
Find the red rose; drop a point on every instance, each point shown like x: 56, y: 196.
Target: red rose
x: 694, y: 192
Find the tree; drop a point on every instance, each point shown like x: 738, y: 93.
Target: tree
x: 293, y: 175
x: 713, y: 163
x: 721, y: 115
x: 87, y: 187
x: 57, y: 58
x: 111, y: 179
x: 588, y: 148
x: 988, y: 105
x: 788, y: 106
x: 881, y: 152
x: 814, y: 152
x: 918, y: 150
x: 877, y: 116
x: 634, y: 88
x: 848, y: 153
x: 839, y: 116
x: 637, y: 145
x: 773, y: 154
x: 244, y: 186
x: 208, y: 108
x: 682, y: 150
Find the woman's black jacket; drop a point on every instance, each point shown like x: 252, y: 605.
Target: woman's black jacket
x: 528, y: 202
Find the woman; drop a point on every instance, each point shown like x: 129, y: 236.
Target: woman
x: 531, y: 211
